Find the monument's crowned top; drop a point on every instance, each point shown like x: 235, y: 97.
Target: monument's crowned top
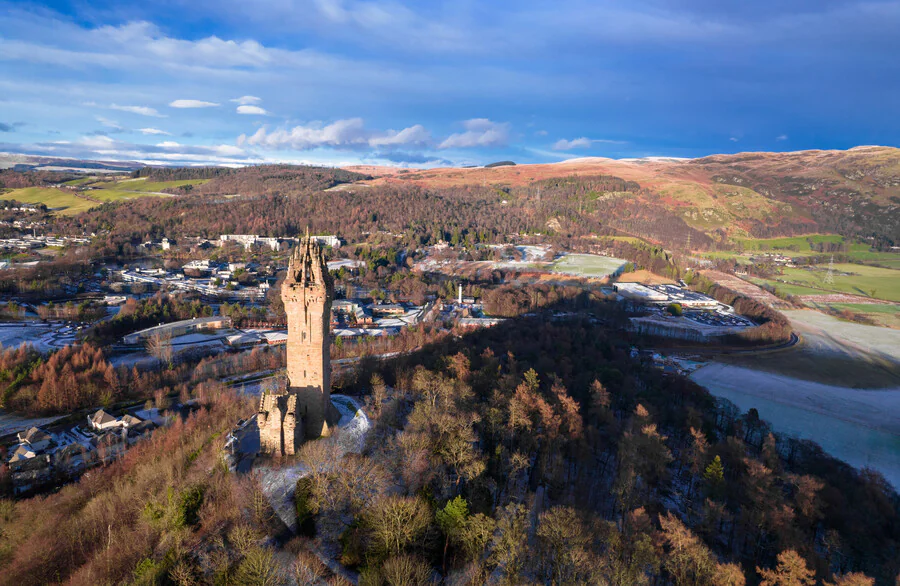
x: 307, y: 268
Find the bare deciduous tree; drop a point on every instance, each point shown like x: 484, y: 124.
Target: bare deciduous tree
x: 159, y: 345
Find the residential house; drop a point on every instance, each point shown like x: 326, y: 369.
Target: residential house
x: 101, y: 420
x: 37, y: 439
x: 128, y: 421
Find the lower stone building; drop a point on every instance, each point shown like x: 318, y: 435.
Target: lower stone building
x: 280, y: 429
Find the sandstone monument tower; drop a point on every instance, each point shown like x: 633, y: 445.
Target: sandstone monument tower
x: 304, y: 409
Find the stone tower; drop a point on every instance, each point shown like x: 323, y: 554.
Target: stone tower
x: 304, y: 409
x: 307, y: 292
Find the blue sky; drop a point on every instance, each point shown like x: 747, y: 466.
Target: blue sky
x: 444, y: 82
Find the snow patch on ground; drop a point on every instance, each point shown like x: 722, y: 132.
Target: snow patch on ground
x: 353, y: 426
x: 45, y: 337
x: 278, y: 482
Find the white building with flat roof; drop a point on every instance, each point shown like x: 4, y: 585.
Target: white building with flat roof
x: 641, y: 293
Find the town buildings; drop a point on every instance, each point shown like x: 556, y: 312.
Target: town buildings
x: 42, y: 458
x: 249, y: 240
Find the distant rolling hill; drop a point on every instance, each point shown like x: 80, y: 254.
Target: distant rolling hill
x: 21, y: 162
x: 749, y: 194
x: 678, y: 202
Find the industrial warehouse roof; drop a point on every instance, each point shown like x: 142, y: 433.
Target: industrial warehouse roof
x: 197, y: 322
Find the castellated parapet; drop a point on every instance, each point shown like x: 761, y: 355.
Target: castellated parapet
x: 304, y: 409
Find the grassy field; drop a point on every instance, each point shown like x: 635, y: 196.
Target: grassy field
x: 861, y: 252
x: 800, y: 242
x: 788, y: 288
x: 82, y: 181
x: 630, y: 239
x: 855, y: 279
x: 67, y: 203
x: 799, y: 246
x: 122, y: 189
x: 108, y: 195
x: 59, y: 201
x: 587, y: 265
x: 142, y: 185
x: 881, y: 313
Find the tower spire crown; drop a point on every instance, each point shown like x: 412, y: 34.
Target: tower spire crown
x: 307, y: 266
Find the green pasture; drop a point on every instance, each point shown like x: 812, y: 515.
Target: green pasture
x: 799, y: 246
x: 854, y: 279
x: 82, y: 181
x: 892, y: 263
x: 869, y: 307
x: 788, y: 243
x: 142, y: 185
x: 880, y: 313
x: 629, y: 239
x: 110, y: 195
x: 787, y: 288
x: 862, y: 252
x: 59, y: 201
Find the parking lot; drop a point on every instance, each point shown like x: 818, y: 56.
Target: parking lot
x: 718, y: 319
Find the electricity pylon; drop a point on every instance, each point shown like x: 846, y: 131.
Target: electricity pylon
x: 829, y: 276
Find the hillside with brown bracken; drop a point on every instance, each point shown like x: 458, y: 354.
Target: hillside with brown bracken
x: 852, y: 192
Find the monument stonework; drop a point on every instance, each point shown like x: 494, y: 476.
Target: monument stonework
x: 280, y: 431
x: 303, y: 410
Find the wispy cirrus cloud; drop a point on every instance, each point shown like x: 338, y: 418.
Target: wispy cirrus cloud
x: 155, y: 131
x: 252, y: 110
x: 244, y: 100
x: 581, y: 143
x: 142, y: 110
x: 109, y: 123
x: 192, y: 104
x: 407, y: 159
